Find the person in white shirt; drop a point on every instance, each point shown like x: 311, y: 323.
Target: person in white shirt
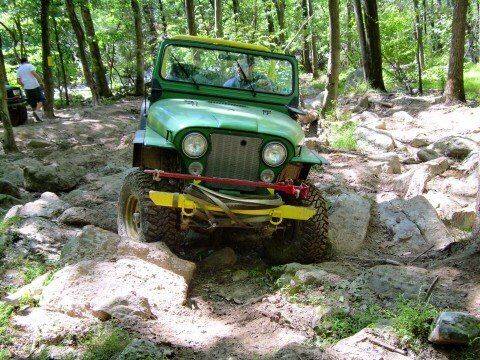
x: 28, y: 78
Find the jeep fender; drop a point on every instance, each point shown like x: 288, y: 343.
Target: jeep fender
x: 147, y: 146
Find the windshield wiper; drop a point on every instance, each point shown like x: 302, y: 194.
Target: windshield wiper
x: 246, y: 79
x: 185, y: 72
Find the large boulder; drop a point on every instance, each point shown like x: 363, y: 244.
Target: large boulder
x: 54, y: 178
x: 457, y: 147
x: 8, y: 188
x: 371, y: 140
x: 348, y: 221
x: 102, y: 216
x: 414, y: 225
x: 40, y: 236
x: 455, y: 327
x: 48, y: 206
x: 454, y: 211
x: 219, y: 259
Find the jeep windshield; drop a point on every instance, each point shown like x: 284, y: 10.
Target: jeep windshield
x: 227, y: 69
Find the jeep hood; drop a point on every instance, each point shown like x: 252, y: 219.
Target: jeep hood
x: 175, y: 115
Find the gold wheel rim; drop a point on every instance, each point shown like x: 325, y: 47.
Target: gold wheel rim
x: 132, y: 217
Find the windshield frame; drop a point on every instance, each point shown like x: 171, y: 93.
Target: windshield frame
x: 268, y: 55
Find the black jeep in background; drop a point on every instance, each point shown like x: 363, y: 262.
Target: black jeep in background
x: 17, y: 105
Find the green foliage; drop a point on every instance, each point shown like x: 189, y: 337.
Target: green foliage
x: 32, y: 270
x: 4, y: 354
x: 343, y: 135
x: 106, y: 344
x: 6, y: 312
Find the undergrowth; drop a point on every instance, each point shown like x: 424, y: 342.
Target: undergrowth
x: 106, y: 344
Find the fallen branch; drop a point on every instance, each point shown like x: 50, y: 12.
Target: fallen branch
x: 377, y: 260
x: 422, y: 253
x: 430, y: 289
x: 387, y: 346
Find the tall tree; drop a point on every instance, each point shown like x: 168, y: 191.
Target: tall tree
x: 307, y: 64
x: 280, y: 9
x: 454, y: 89
x: 419, y: 47
x: 236, y: 9
x: 364, y: 49
x: 218, y: 18
x: 163, y: 17
x: 190, y: 14
x: 98, y: 67
x: 331, y: 87
x: 82, y: 54
x: 313, y: 40
x: 269, y: 17
x: 372, y: 32
x: 62, y: 60
x: 8, y: 143
x: 139, y: 63
x: 46, y: 58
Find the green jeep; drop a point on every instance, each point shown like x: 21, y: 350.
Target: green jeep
x: 219, y: 147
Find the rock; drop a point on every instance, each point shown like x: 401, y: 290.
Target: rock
x: 7, y: 201
x: 420, y: 140
x: 403, y: 116
x: 12, y: 213
x: 317, y: 103
x: 359, y: 347
x: 51, y: 327
x: 389, y: 162
x: 103, y: 217
x: 370, y: 140
x: 470, y: 163
x: 32, y: 290
x: 423, y: 173
x: 38, y: 144
x: 362, y: 104
x: 427, y: 154
x: 54, y: 178
x: 141, y: 349
x: 92, y: 243
x: 223, y: 258
x: 457, y: 147
x: 348, y: 222
x: 455, y: 327
x: 309, y: 117
x: 453, y: 212
x: 8, y: 188
x: 414, y: 225
x: 48, y: 206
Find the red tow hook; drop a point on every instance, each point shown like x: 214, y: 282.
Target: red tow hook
x: 287, y: 187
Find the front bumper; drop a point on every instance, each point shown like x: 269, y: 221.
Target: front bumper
x: 190, y: 207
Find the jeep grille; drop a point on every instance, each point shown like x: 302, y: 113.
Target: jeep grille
x: 235, y: 157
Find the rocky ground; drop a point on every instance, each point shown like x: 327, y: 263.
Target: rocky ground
x: 401, y: 194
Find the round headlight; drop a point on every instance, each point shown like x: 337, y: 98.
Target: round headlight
x: 274, y: 154
x: 194, y: 145
x: 267, y: 175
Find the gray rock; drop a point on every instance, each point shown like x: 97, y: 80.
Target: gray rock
x: 140, y: 349
x: 452, y: 210
x: 38, y: 144
x: 427, y: 154
x: 102, y: 216
x: 403, y: 116
x: 371, y: 140
x: 8, y: 188
x: 48, y: 206
x: 420, y: 140
x: 348, y: 221
x: 454, y: 327
x: 223, y: 258
x: 414, y: 225
x: 7, y: 201
x: 54, y: 178
x: 457, y: 147
x: 423, y: 173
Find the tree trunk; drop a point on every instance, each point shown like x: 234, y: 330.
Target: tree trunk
x: 331, y: 87
x: 472, y: 47
x: 163, y: 17
x: 364, y: 50
x: 454, y: 89
x: 313, y: 39
x: 8, y: 138
x: 270, y: 24
x: 218, y: 19
x: 372, y: 32
x: 139, y: 64
x: 236, y: 9
x: 190, y: 13
x: 77, y: 28
x: 419, y: 47
x: 348, y: 45
x: 18, y: 25
x: 148, y: 13
x: 98, y: 68
x: 62, y: 61
x: 280, y: 8
x: 46, y: 56
x: 307, y: 64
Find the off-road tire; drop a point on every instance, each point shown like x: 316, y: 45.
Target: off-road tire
x: 18, y: 115
x: 302, y: 241
x: 155, y: 223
